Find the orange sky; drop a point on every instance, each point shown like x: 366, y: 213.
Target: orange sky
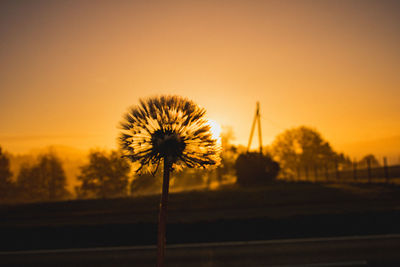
x: 69, y: 69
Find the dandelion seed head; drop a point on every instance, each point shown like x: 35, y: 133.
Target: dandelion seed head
x: 168, y: 127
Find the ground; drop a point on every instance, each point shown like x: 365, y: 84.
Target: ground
x: 280, y: 210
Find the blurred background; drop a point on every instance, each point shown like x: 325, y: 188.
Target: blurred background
x: 323, y: 161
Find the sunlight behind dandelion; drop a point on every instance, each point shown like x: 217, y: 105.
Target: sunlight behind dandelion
x: 215, y: 130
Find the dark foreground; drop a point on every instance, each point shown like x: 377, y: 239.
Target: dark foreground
x: 227, y: 227
x: 338, y: 251
x: 139, y: 234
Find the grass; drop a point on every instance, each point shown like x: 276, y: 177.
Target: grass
x: 280, y: 210
x: 277, y: 200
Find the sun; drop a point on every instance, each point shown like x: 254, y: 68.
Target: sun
x: 215, y: 130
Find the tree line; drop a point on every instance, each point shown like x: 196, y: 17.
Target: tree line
x: 108, y: 175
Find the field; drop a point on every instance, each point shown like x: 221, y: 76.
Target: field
x: 274, y: 211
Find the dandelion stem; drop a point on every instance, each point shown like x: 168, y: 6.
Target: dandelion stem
x: 162, y: 220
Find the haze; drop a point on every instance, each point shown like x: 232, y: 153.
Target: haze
x: 70, y: 69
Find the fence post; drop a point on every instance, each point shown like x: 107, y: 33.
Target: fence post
x: 298, y: 173
x: 386, y: 169
x: 337, y: 170
x: 355, y: 170
x: 315, y: 173
x: 369, y: 170
x: 306, y: 172
x: 326, y: 172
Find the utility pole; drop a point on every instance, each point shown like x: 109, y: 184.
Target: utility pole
x: 256, y: 119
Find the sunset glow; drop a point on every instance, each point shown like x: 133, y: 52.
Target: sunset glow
x: 69, y: 69
x: 215, y: 130
x: 207, y: 132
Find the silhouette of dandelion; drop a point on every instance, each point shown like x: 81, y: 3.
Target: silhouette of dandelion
x: 172, y: 129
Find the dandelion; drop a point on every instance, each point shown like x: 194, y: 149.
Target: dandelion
x: 173, y: 130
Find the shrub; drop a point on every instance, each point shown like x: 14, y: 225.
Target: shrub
x: 255, y: 169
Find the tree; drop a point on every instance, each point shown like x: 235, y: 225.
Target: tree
x: 228, y: 154
x: 29, y: 186
x: 253, y: 168
x: 105, y: 176
x: 6, y: 184
x: 302, y: 147
x: 172, y: 130
x: 371, y: 159
x: 44, y: 181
